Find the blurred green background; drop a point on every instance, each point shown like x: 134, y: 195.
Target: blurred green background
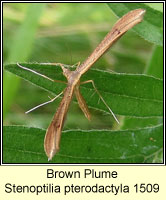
x: 65, y: 33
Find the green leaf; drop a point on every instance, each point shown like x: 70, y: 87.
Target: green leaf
x: 22, y: 44
x: 20, y: 49
x: 126, y: 94
x: 151, y: 28
x: 133, y: 123
x: 155, y: 66
x: 25, y: 145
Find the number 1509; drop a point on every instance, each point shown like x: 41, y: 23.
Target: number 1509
x: 147, y: 187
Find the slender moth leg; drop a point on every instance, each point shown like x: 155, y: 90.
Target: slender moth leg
x: 93, y: 84
x: 81, y: 102
x: 44, y: 103
x: 46, y: 77
x: 42, y: 75
x: 76, y: 64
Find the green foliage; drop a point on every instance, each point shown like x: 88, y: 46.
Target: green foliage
x: 20, y: 49
x: 155, y: 66
x: 136, y: 98
x: 79, y: 146
x: 127, y: 95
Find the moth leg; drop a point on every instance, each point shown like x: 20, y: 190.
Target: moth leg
x: 34, y: 108
x: 92, y: 82
x: 42, y: 75
x: 77, y: 64
x: 81, y: 102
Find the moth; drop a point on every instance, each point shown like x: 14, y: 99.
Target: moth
x: 53, y: 134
